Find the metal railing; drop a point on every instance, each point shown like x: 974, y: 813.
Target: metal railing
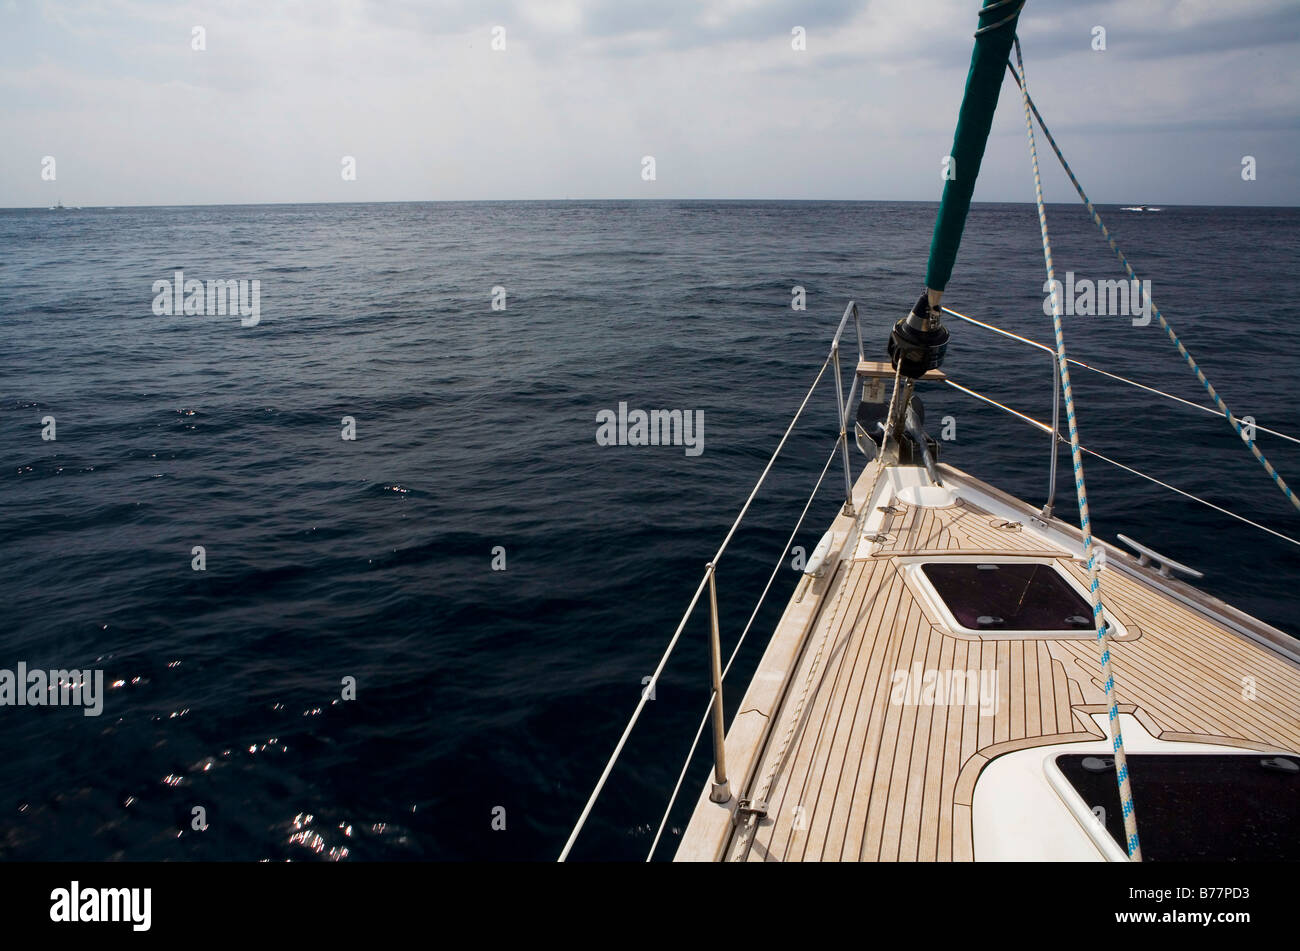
x: 1054, y: 429
x: 720, y: 790
x: 847, y: 406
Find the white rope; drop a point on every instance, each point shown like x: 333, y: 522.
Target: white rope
x: 750, y: 829
x: 672, y: 644
x: 1116, y: 376
x: 1246, y: 437
x: 709, y: 709
x: 1122, y: 777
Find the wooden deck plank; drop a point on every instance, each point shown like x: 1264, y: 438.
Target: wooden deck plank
x: 1002, y: 728
x: 1214, y: 700
x: 1088, y: 666
x: 1030, y: 688
x: 1212, y: 653
x: 1046, y: 688
x: 956, y: 740
x: 879, y: 780
x: 789, y: 789
x: 985, y: 659
x: 895, y: 793
x: 932, y: 795
x: 810, y: 768
x: 866, y: 703
x: 963, y: 842
x: 909, y: 834
x: 890, y: 641
x: 891, y: 740
x: 1016, y: 668
x: 827, y: 769
x: 1205, y: 704
x: 1190, y: 636
x: 1061, y: 683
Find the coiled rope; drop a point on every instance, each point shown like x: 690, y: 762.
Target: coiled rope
x: 1128, y: 268
x: 1094, y: 584
x: 1001, y: 4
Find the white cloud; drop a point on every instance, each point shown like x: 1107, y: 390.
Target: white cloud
x: 584, y: 89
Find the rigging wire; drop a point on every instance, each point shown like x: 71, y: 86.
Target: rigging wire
x: 1110, y: 240
x: 1113, y: 376
x: 672, y: 644
x: 1173, y: 488
x: 1122, y: 778
x: 672, y: 800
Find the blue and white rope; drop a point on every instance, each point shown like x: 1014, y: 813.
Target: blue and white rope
x: 1094, y: 583
x: 1096, y: 218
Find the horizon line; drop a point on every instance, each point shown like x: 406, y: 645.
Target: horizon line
x: 483, y: 201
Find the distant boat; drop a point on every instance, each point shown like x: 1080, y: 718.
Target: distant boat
x: 58, y: 206
x: 1140, y: 208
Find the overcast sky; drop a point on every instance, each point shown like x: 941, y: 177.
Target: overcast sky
x: 133, y: 114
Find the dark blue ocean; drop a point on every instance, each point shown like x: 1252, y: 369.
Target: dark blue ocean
x: 485, y: 694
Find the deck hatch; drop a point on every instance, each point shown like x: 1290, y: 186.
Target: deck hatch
x: 1008, y: 596
x: 1199, y: 807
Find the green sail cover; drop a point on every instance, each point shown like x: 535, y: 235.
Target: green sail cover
x: 988, y: 64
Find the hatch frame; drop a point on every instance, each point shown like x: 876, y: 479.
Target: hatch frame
x: 923, y: 589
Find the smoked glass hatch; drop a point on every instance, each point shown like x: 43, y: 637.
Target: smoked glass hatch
x: 1198, y: 807
x: 1008, y: 596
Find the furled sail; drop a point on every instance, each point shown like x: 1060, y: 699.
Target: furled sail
x: 919, y: 340
x: 988, y: 66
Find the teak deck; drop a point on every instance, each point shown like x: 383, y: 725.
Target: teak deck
x: 849, y: 775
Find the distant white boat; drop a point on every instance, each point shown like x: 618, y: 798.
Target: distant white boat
x: 1140, y: 208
